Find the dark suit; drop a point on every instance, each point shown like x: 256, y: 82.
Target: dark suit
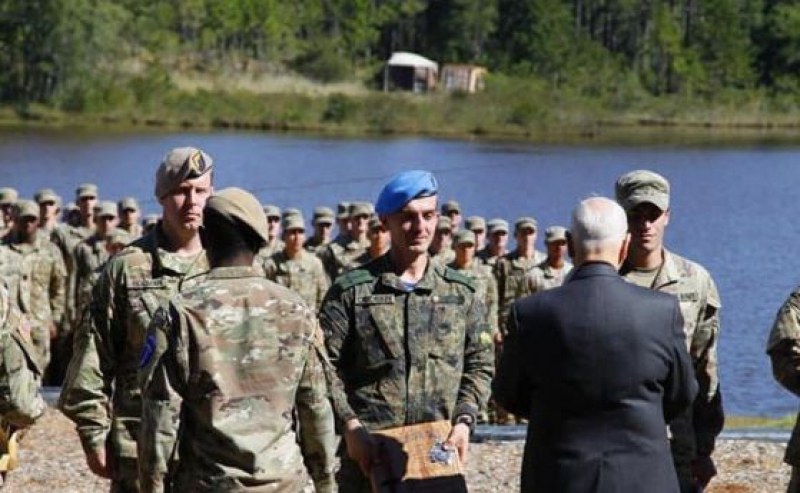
x: 597, y: 365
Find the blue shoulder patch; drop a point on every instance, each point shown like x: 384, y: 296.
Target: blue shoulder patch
x: 148, y: 349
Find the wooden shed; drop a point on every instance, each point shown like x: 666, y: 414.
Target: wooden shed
x: 406, y: 71
x: 467, y: 78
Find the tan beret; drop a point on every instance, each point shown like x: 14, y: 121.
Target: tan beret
x: 240, y: 206
x: 181, y: 164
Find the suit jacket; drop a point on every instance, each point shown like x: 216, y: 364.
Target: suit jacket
x: 598, y: 366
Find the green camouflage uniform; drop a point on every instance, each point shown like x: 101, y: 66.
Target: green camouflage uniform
x: 41, y: 290
x: 341, y: 255
x: 304, y: 275
x: 544, y: 277
x: 103, y: 370
x: 246, y: 357
x: 90, y: 254
x: 511, y: 272
x: 405, y: 356
x: 485, y: 288
x: 694, y: 434
x: 783, y: 348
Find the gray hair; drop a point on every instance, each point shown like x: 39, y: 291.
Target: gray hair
x: 598, y: 223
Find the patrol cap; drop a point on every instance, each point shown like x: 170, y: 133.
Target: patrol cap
x: 86, y: 190
x: 8, y: 196
x: 105, y: 208
x: 464, y: 237
x: 444, y: 224
x: 497, y: 224
x: 403, y: 188
x: 475, y: 222
x: 181, y: 164
x: 322, y: 215
x: 26, y: 208
x: 555, y: 233
x: 240, y: 206
x: 128, y: 203
x: 641, y: 186
x: 525, y: 222
x: 451, y: 206
x: 47, y: 195
x: 342, y: 210
x: 293, y: 221
x: 272, y: 211
x: 291, y: 211
x: 375, y: 223
x: 361, y: 209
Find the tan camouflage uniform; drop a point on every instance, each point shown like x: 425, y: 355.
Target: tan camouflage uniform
x: 405, y: 356
x: 89, y: 255
x: 342, y: 255
x: 485, y: 288
x: 270, y: 249
x: 304, y: 275
x: 245, y: 355
x: 544, y: 277
x: 783, y: 347
x: 135, y: 230
x: 42, y: 289
x: 66, y: 238
x: 101, y: 393
x: 694, y: 434
x: 511, y: 272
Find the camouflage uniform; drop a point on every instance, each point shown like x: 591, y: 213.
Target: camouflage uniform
x: 304, y: 275
x: 444, y: 256
x: 129, y: 290
x: 783, y: 347
x: 511, y: 272
x: 135, y: 230
x: 342, y: 255
x: 485, y: 288
x: 544, y: 277
x: 694, y: 434
x: 245, y: 355
x: 270, y: 249
x: 66, y: 238
x: 405, y: 355
x: 89, y: 256
x: 42, y: 289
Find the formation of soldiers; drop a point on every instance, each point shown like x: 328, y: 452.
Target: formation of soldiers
x: 163, y: 332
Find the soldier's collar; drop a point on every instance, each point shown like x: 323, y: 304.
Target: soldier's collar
x: 390, y: 279
x: 234, y: 272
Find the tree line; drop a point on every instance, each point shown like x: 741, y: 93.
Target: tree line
x: 54, y: 50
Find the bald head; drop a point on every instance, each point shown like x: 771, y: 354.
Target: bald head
x: 599, y: 231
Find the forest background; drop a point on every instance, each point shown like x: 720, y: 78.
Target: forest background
x: 570, y: 66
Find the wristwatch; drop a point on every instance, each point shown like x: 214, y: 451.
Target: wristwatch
x: 466, y: 419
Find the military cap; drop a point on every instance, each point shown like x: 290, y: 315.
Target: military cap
x: 444, y: 224
x: 71, y: 207
x: 525, y: 222
x: 342, y: 210
x: 464, y: 237
x: 475, y: 222
x: 240, y: 206
x: 150, y: 219
x: 361, y: 209
x: 47, y: 195
x: 641, y: 186
x: 26, y: 208
x: 322, y: 215
x: 8, y: 196
x: 105, y: 208
x: 451, y: 206
x: 555, y: 233
x: 403, y: 188
x: 293, y: 221
x: 128, y: 203
x: 497, y: 224
x: 272, y: 211
x: 375, y: 223
x: 181, y: 164
x: 118, y: 236
x: 86, y: 190
x: 291, y: 211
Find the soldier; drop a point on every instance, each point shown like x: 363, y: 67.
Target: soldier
x: 408, y: 337
x: 21, y: 402
x: 296, y: 268
x: 128, y: 210
x: 274, y: 244
x: 91, y: 254
x: 49, y: 209
x: 498, y: 239
x: 480, y: 273
x: 645, y: 197
x: 71, y: 214
x: 42, y: 278
x: 149, y: 222
x: 240, y: 436
x: 8, y: 197
x: 552, y: 272
x: 452, y: 211
x: 322, y: 220
x: 379, y: 242
x: 131, y: 286
x: 342, y: 254
x: 342, y: 221
x: 441, y: 249
x: 477, y: 225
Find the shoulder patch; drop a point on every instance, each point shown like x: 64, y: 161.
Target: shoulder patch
x: 148, y: 349
x: 352, y: 278
x: 455, y: 276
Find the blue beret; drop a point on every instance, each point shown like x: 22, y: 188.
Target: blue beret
x: 403, y: 188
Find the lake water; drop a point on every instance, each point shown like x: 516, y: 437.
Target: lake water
x: 733, y: 207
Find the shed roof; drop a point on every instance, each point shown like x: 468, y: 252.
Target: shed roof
x: 407, y: 59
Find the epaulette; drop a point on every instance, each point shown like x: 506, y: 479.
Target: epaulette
x: 453, y: 275
x: 354, y: 277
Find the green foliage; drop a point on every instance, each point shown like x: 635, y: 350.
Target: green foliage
x: 339, y: 109
x: 323, y: 64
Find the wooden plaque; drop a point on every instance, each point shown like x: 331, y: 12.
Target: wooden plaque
x: 409, y: 462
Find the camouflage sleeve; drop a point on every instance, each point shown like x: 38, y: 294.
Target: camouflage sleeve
x: 87, y: 387
x: 783, y: 345
x: 474, y: 388
x: 323, y: 284
x: 708, y: 417
x: 335, y: 325
x: 503, y: 304
x: 315, y: 415
x: 491, y: 304
x: 510, y: 387
x: 269, y: 268
x: 58, y: 287
x: 680, y: 389
x: 158, y: 379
